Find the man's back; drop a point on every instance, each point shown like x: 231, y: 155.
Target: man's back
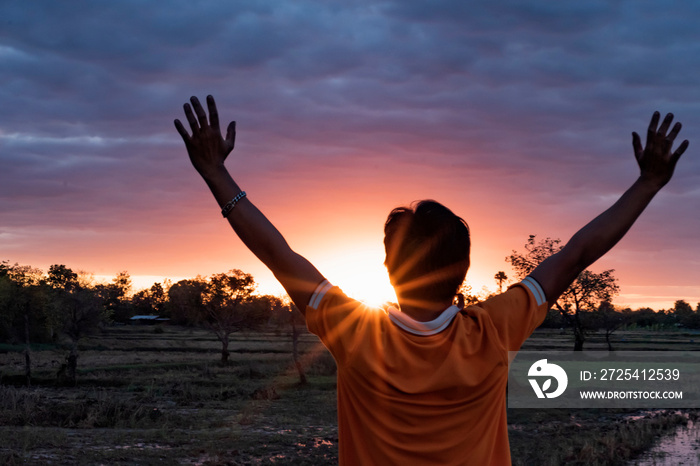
x: 416, y: 393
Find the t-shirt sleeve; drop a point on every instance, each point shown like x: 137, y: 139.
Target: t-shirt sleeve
x: 518, y: 311
x: 336, y: 319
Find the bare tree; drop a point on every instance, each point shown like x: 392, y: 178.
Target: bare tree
x: 77, y: 310
x: 297, y: 322
x: 584, y: 294
x: 82, y: 315
x: 609, y: 320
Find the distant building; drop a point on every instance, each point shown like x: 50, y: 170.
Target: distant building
x: 147, y: 320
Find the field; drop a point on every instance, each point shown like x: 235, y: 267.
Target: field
x: 158, y: 395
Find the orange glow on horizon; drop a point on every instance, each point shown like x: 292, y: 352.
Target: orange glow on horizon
x: 342, y: 236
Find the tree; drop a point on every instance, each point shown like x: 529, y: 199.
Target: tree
x: 684, y: 314
x: 536, y: 252
x: 260, y: 310
x: 123, y: 282
x: 500, y: 278
x: 609, y: 320
x: 646, y: 317
x: 297, y: 322
x: 467, y: 292
x: 185, y: 302
x: 61, y: 277
x: 225, y: 300
x: 157, y: 298
x: 141, y: 303
x: 77, y: 311
x: 83, y: 313
x: 61, y: 280
x: 22, y: 308
x: 584, y: 294
x: 150, y: 301
x: 283, y: 314
x: 114, y: 298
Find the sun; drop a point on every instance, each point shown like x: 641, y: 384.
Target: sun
x: 359, y: 271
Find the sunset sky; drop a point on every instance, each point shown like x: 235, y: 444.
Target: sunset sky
x: 516, y: 115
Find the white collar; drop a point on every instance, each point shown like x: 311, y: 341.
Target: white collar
x: 415, y: 327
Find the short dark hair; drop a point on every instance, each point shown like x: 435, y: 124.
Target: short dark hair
x: 427, y: 251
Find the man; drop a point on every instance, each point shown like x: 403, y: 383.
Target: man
x: 423, y: 384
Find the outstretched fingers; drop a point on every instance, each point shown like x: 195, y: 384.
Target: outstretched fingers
x: 213, y: 114
x: 657, y: 138
x: 231, y: 134
x: 201, y: 114
x: 204, y: 142
x: 191, y: 119
x: 674, y: 132
x: 668, y: 141
x: 657, y: 160
x: 651, y: 131
x: 665, y: 124
x: 637, y: 145
x: 183, y: 132
x: 677, y: 154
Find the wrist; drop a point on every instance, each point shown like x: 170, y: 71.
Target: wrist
x: 651, y: 184
x: 213, y: 173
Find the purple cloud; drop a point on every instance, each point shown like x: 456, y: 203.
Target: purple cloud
x: 538, y: 97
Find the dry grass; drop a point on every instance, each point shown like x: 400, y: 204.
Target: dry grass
x: 587, y: 436
x: 149, y: 396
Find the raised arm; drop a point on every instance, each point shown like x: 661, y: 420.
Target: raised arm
x: 208, y: 150
x: 656, y: 163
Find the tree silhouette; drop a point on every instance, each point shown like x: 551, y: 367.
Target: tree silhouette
x: 22, y: 307
x: 225, y: 300
x: 609, y: 320
x: 186, y: 301
x: 297, y: 322
x: 77, y: 310
x: 500, y: 278
x: 114, y: 297
x: 150, y: 301
x: 584, y: 294
x: 83, y: 314
x: 684, y: 315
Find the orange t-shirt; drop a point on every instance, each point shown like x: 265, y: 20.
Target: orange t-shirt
x: 412, y: 393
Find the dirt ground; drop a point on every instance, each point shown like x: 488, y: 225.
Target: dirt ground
x: 159, y: 396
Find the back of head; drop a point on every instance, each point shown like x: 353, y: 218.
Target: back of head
x: 427, y: 251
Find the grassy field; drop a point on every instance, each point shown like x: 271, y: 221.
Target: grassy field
x: 157, y: 395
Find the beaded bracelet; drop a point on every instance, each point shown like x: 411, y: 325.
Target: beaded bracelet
x: 232, y: 203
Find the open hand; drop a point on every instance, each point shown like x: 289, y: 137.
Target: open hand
x: 206, y: 147
x: 656, y: 162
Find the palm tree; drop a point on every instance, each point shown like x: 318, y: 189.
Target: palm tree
x: 500, y: 277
